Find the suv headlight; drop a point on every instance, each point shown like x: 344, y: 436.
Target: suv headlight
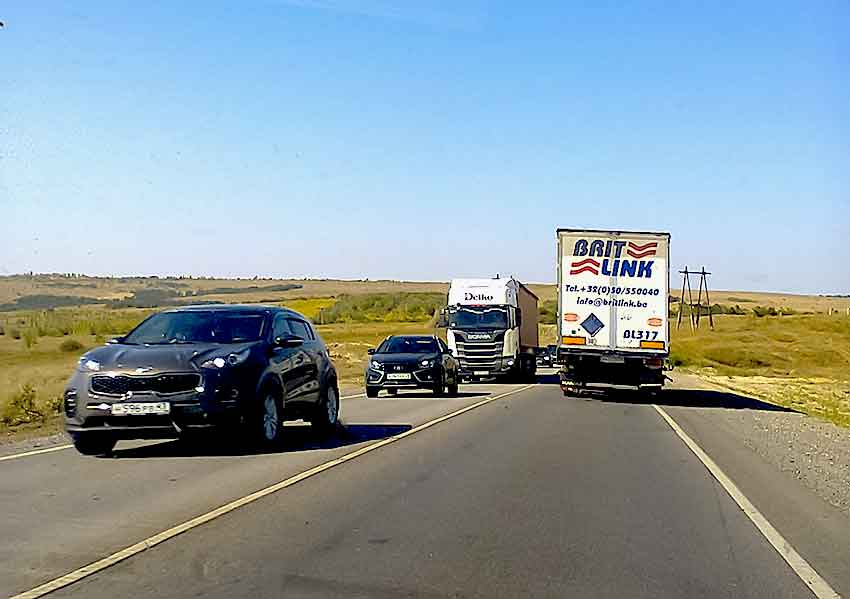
x: 88, y: 365
x: 375, y: 365
x: 234, y: 359
x: 426, y: 363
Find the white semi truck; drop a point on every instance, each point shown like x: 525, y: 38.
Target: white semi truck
x: 613, y: 289
x: 492, y: 328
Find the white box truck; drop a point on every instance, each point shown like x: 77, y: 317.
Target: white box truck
x: 492, y: 328
x: 613, y: 289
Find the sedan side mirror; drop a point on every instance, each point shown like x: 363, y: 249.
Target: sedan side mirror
x: 370, y: 351
x: 288, y: 341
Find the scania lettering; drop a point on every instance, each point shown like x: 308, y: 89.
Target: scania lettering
x: 612, y: 305
x: 492, y: 328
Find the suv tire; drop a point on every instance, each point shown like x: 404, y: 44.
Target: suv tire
x: 326, y: 415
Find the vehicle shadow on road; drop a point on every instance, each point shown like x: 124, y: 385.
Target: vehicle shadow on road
x: 679, y: 398
x: 430, y: 395
x: 690, y: 398
x: 297, y: 438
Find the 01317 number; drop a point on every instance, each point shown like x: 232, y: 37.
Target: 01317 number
x: 640, y: 335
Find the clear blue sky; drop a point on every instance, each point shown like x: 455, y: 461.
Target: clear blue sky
x: 423, y: 140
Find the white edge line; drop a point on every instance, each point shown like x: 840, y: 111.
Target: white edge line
x: 27, y: 454
x: 801, y: 567
x: 152, y: 541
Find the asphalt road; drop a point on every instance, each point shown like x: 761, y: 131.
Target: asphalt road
x: 531, y: 495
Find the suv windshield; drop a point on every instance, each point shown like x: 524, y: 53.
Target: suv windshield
x: 479, y: 318
x: 409, y: 345
x: 197, y: 327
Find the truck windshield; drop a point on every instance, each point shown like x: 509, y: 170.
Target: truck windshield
x: 485, y: 317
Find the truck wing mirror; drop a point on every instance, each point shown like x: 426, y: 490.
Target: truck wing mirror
x: 442, y: 320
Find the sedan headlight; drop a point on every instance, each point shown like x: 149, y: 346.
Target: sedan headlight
x: 375, y: 365
x: 234, y: 359
x: 89, y: 365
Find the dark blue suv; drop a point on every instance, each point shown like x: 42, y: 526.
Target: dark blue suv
x: 200, y: 367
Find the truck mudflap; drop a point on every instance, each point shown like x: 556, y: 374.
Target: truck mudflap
x: 579, y: 372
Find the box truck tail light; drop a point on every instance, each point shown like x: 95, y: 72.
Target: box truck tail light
x: 654, y: 363
x: 573, y: 340
x: 652, y: 345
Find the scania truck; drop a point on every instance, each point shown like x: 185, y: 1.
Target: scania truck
x: 492, y: 328
x: 613, y: 289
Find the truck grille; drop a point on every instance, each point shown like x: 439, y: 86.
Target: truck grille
x: 484, y: 355
x: 162, y: 384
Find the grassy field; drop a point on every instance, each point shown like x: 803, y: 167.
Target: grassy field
x: 801, y: 362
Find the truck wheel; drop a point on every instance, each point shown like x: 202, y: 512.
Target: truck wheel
x: 94, y: 444
x: 372, y: 392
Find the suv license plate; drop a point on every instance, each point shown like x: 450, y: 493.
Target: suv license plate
x: 481, y: 372
x: 398, y: 376
x: 141, y: 409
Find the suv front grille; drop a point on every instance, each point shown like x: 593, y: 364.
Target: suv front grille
x: 162, y: 384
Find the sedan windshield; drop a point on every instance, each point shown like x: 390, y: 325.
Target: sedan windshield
x: 479, y: 318
x: 197, y: 327
x: 409, y: 345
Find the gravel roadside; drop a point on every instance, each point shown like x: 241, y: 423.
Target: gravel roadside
x: 814, y: 452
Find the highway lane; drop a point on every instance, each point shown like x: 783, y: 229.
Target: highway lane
x: 530, y: 495
x: 62, y: 510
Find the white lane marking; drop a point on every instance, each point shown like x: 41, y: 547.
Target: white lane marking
x: 27, y: 454
x: 801, y: 567
x: 152, y: 541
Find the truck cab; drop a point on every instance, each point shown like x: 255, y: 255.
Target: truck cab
x: 492, y: 328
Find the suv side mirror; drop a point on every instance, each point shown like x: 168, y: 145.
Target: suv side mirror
x: 288, y: 341
x: 115, y: 340
x: 370, y: 351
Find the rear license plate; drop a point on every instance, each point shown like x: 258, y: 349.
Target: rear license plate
x: 612, y: 360
x: 398, y: 376
x: 480, y: 372
x: 141, y: 409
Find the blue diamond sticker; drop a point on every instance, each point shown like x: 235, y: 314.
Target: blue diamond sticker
x: 592, y: 325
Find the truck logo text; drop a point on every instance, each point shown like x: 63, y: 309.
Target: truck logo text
x: 619, y: 266
x: 477, y: 297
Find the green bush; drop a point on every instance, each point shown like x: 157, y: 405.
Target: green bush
x: 30, y: 337
x: 21, y: 408
x: 70, y: 345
